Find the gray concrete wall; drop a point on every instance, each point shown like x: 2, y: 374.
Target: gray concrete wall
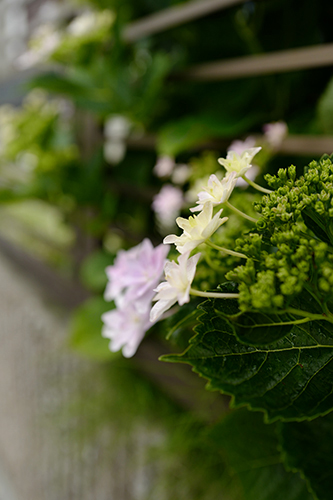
x: 46, y: 449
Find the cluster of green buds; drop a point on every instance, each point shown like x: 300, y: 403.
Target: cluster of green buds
x: 291, y: 248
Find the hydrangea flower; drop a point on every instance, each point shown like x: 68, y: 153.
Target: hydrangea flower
x: 199, y: 184
x: 167, y: 205
x: 135, y: 274
x: 177, y: 286
x: 240, y: 146
x: 164, y: 166
x: 275, y: 133
x: 197, y: 229
x: 125, y: 328
x: 216, y: 192
x: 181, y: 174
x: 238, y: 163
x: 116, y: 129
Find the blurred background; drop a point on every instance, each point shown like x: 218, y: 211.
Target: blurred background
x: 111, y: 114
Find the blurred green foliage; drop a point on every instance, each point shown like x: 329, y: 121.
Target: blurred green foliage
x: 52, y: 149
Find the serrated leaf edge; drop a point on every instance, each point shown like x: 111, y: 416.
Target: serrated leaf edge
x: 178, y: 358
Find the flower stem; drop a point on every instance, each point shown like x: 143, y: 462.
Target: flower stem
x: 242, y: 214
x: 226, y: 250
x: 256, y: 186
x: 214, y: 295
x: 308, y: 315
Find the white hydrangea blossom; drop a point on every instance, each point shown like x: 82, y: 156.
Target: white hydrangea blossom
x: 177, y: 286
x: 197, y: 229
x: 164, y: 166
x: 239, y: 163
x: 216, y: 191
x: 275, y: 133
x: 181, y: 174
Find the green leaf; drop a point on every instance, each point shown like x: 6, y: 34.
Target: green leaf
x: 180, y: 324
x: 86, y: 328
x: 307, y: 448
x: 192, y: 131
x: 83, y: 95
x: 316, y: 224
x: 325, y: 109
x: 251, y: 449
x: 253, y: 328
x: 55, y: 82
x: 260, y: 328
x: 288, y: 379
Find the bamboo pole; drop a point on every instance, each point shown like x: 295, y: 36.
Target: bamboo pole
x: 261, y: 64
x: 302, y: 145
x: 174, y: 16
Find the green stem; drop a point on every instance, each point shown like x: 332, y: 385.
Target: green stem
x: 256, y: 186
x: 225, y: 250
x: 234, y: 209
x: 307, y: 315
x: 294, y: 322
x: 214, y: 295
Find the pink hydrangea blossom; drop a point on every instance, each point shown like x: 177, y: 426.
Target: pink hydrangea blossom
x: 125, y: 328
x: 240, y: 146
x: 167, y: 205
x: 135, y: 274
x: 132, y: 280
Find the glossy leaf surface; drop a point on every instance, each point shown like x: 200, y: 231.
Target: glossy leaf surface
x: 288, y: 379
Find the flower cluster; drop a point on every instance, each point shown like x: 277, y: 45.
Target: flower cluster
x: 197, y: 229
x: 135, y: 278
x: 131, y: 283
x: 288, y: 254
